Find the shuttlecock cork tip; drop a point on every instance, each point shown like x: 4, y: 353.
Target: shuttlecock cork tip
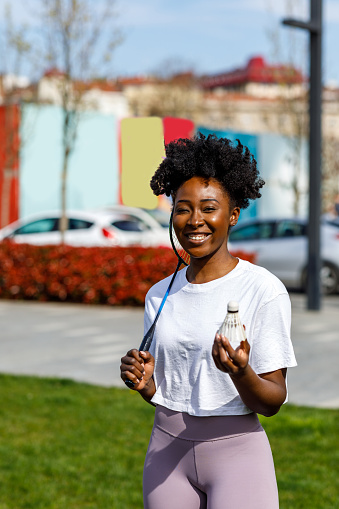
x: 233, y: 306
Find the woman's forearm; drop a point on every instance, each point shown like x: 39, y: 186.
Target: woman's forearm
x: 263, y: 394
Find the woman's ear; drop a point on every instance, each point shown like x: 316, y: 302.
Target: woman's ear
x: 234, y: 216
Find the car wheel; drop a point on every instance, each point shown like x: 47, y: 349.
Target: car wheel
x: 329, y: 277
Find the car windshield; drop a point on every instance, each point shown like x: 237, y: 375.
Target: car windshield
x: 253, y: 231
x: 161, y: 216
x: 79, y: 224
x: 333, y: 222
x: 49, y: 224
x: 130, y: 224
x: 289, y: 228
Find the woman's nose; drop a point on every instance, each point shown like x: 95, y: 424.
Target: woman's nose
x: 196, y: 218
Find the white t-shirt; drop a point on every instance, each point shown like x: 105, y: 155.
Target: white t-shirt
x: 185, y: 375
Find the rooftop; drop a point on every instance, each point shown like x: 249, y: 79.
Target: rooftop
x: 255, y: 71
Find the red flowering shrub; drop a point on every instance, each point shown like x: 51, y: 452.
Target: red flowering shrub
x: 116, y: 276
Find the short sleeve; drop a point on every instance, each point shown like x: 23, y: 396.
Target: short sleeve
x: 271, y: 346
x: 148, y: 315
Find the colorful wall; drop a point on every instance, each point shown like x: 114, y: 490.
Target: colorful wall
x: 9, y: 163
x: 274, y: 155
x: 93, y: 167
x: 94, y: 179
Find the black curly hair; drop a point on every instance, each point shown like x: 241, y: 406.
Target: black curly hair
x: 232, y: 165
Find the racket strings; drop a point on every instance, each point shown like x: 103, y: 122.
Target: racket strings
x: 178, y: 249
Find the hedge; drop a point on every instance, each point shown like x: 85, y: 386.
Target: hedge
x: 98, y: 275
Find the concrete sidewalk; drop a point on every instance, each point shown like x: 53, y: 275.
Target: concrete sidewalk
x: 315, y: 336
x: 85, y: 343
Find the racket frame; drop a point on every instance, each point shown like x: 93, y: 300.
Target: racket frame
x: 148, y: 337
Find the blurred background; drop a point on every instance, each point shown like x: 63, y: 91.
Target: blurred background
x: 75, y: 77
x: 73, y: 71
x: 230, y: 68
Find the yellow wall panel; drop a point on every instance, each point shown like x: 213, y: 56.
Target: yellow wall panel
x: 142, y: 150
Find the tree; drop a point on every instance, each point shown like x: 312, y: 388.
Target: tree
x: 171, y: 91
x: 80, y: 36
x: 176, y: 96
x: 330, y: 172
x: 294, y: 111
x: 292, y: 107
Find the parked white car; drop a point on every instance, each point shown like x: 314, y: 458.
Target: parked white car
x: 280, y: 245
x: 124, y: 227
x: 159, y: 216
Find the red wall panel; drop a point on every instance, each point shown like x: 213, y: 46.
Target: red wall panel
x: 9, y: 163
x: 175, y: 128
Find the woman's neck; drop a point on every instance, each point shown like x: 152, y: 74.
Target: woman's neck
x: 202, y: 270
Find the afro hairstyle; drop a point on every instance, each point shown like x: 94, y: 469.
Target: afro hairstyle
x: 232, y: 165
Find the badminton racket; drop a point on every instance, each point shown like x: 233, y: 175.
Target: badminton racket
x: 183, y: 259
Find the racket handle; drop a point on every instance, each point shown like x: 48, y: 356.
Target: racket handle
x: 144, y: 347
x: 147, y: 339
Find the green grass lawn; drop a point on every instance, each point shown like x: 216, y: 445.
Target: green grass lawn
x: 67, y: 445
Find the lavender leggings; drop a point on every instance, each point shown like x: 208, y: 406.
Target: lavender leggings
x: 208, y: 463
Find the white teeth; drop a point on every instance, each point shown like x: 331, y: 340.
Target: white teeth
x: 197, y: 237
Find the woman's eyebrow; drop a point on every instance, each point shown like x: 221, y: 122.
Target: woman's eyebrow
x: 201, y: 201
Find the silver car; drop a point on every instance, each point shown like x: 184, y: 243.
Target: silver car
x: 125, y: 226
x: 280, y: 245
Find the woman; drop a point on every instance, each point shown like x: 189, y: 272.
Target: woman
x: 208, y: 449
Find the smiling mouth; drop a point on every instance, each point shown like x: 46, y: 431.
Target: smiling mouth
x: 197, y: 236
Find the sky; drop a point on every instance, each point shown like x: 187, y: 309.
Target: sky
x: 211, y: 36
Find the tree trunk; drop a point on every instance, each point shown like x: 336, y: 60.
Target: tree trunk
x: 64, y: 219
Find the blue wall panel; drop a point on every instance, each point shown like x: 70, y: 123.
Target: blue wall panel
x: 93, y: 177
x: 249, y: 140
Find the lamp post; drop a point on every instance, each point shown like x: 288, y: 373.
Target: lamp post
x: 314, y: 26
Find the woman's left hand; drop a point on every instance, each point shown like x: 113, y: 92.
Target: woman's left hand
x: 227, y: 359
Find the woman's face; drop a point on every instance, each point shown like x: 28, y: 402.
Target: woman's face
x: 202, y: 216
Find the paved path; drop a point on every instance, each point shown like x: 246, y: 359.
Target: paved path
x: 315, y: 336
x: 81, y: 342
x: 85, y: 343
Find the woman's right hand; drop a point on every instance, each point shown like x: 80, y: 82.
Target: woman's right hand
x: 137, y: 367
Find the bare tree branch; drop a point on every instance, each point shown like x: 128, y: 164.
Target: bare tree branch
x: 72, y: 35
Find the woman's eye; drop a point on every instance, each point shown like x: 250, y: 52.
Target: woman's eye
x: 180, y: 211
x: 209, y: 209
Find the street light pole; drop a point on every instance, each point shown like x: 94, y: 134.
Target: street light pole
x: 314, y: 26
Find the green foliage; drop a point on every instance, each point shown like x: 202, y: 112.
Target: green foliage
x: 64, y: 444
